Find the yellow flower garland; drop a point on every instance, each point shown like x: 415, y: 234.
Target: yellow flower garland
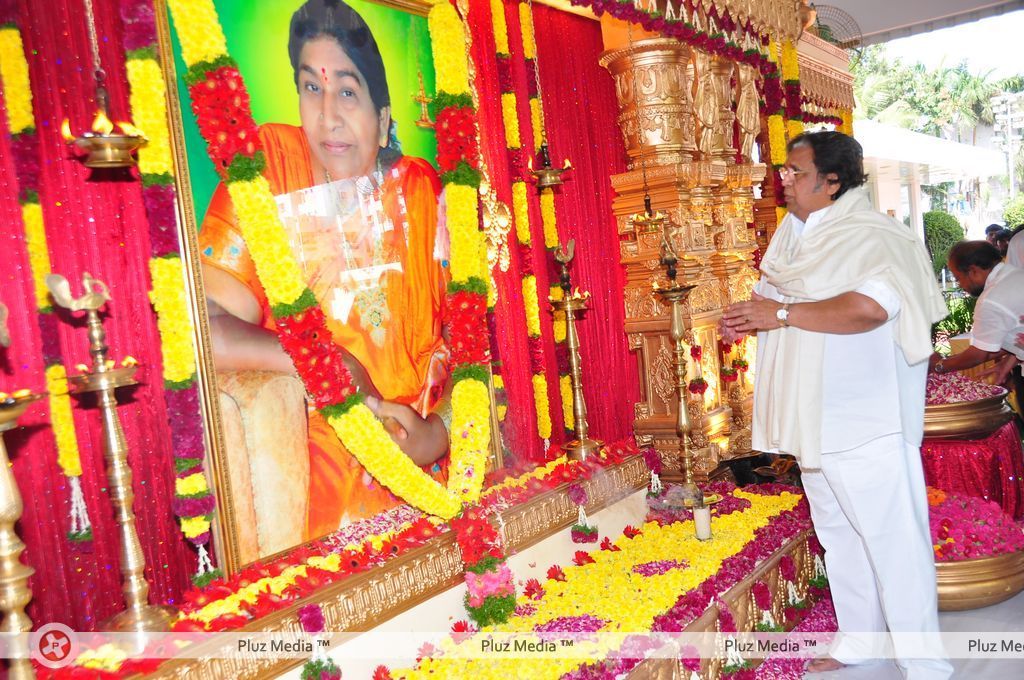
x: 547, y: 214
x: 789, y: 61
x: 526, y: 24
x: 500, y: 27
x: 199, y: 30
x: 542, y: 405
x: 531, y: 306
x: 62, y: 422
x: 617, y: 600
x: 521, y: 212
x: 360, y: 431
x: 780, y: 214
x: 191, y: 485
x: 267, y: 240
x: 847, y: 126
x: 565, y: 389
x: 173, y: 322
x: 511, y: 120
x: 794, y: 128
x: 14, y: 74
x: 777, y: 139
x: 463, y: 220
x: 538, y: 125
x: 149, y: 110
x: 448, y: 36
x: 471, y: 434
x: 38, y: 253
x: 194, y: 526
x: 558, y: 318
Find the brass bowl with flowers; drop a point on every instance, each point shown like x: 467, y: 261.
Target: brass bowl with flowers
x: 981, y: 582
x: 967, y: 419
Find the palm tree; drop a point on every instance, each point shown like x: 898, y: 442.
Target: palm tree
x: 971, y: 98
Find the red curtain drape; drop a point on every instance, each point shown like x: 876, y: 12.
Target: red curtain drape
x: 95, y: 223
x: 580, y: 111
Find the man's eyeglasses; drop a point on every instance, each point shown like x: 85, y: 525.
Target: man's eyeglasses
x: 790, y: 173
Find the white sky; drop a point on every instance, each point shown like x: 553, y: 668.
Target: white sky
x: 993, y: 43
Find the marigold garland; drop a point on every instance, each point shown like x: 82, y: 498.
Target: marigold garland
x: 14, y: 75
x: 194, y: 502
x: 502, y: 17
x: 17, y: 89
x: 549, y: 218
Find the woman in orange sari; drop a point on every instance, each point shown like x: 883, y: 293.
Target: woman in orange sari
x: 391, y: 335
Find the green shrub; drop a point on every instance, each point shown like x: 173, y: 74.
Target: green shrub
x: 941, y: 231
x: 1013, y: 215
x: 960, y: 319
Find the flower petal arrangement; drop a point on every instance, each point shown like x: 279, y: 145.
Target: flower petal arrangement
x: 653, y: 582
x: 965, y: 527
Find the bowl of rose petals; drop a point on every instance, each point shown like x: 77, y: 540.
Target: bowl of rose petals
x: 957, y: 407
x: 979, y: 551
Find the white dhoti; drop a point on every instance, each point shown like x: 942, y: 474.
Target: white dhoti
x: 870, y: 513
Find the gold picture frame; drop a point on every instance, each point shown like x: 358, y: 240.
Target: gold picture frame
x: 233, y: 537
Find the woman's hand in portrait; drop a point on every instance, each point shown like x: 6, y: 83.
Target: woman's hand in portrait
x: 424, y: 440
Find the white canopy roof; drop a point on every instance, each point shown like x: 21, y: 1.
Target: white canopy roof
x: 938, y: 160
x: 884, y: 20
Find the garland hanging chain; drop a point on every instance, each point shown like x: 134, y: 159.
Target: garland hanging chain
x: 536, y: 78
x: 94, y: 45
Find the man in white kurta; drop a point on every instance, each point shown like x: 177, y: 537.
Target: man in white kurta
x: 843, y: 314
x: 998, y: 315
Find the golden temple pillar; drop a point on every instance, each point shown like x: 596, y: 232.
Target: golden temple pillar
x: 676, y: 117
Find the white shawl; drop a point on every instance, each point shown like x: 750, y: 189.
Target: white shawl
x: 853, y: 244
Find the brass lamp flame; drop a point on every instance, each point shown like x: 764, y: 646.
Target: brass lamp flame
x: 547, y: 176
x: 649, y: 220
x: 107, y: 148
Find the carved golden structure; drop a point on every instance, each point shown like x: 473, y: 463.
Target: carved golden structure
x: 676, y: 114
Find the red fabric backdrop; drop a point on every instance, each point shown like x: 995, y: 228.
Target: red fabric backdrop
x: 580, y: 112
x: 579, y: 103
x: 96, y: 223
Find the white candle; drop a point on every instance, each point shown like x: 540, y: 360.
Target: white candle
x: 702, y: 522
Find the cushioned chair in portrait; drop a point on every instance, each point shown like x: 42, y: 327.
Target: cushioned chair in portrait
x: 266, y: 446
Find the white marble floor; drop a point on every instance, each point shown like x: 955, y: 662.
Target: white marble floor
x: 1004, y: 617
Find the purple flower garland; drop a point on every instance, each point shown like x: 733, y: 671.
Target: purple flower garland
x: 182, y: 398
x: 25, y: 153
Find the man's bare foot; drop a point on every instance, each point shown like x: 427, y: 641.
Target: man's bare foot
x: 823, y: 664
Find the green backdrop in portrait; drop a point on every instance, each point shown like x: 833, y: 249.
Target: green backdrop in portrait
x: 257, y: 38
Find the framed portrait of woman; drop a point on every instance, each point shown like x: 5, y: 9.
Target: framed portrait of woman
x: 339, y: 90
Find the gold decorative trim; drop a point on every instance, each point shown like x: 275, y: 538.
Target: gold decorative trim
x: 825, y: 85
x: 366, y: 600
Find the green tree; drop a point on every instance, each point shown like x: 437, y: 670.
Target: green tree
x: 1013, y: 214
x: 941, y: 231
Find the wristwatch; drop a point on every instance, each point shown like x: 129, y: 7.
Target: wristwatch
x: 782, y: 314
x: 939, y: 366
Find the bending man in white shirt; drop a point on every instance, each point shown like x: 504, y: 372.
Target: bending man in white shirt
x: 843, y: 314
x: 999, y: 287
